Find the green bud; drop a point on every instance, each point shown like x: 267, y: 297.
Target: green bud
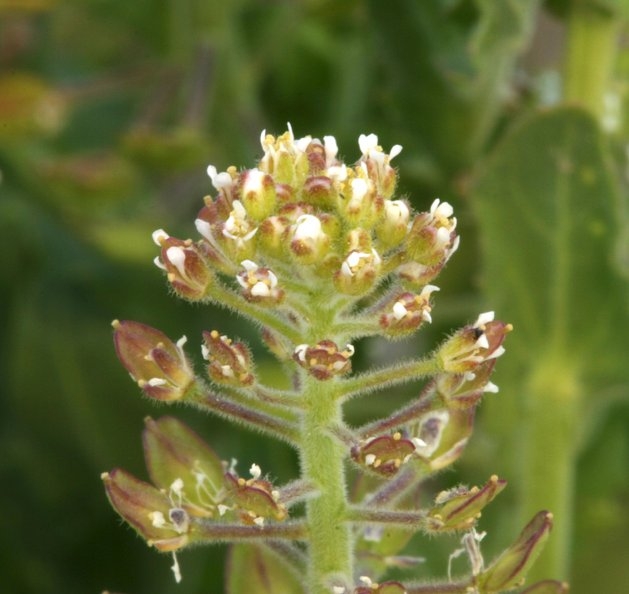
x: 510, y: 569
x: 257, y: 193
x: 393, y: 227
x: 176, y: 455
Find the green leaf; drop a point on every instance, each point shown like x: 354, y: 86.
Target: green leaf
x: 550, y: 216
x: 254, y: 570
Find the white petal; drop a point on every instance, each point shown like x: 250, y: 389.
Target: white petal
x: 177, y: 257
x: 396, y: 149
x: 484, y: 318
x: 158, y: 236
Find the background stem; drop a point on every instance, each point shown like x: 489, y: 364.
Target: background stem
x: 591, y: 53
x: 549, y: 459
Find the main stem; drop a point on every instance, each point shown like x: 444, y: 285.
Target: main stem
x: 322, y: 457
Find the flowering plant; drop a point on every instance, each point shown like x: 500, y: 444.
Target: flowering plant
x: 317, y: 254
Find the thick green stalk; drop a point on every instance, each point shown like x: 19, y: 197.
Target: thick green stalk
x: 591, y: 54
x: 549, y: 458
x: 322, y: 463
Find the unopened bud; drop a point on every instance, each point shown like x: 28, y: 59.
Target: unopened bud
x: 377, y: 163
x: 393, y: 227
x: 308, y: 242
x: 359, y: 272
x: 510, y: 569
x: 324, y: 360
x: 257, y: 193
x: 360, y: 205
x: 228, y: 362
x: 188, y: 272
x: 156, y: 363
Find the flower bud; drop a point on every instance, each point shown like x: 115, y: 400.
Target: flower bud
x: 272, y: 234
x: 259, y: 284
x: 459, y: 508
x: 510, y: 569
x: 405, y: 313
x: 158, y: 365
x: 188, y: 272
x: 145, y: 508
x: 432, y: 238
x: 228, y: 362
x: 384, y: 454
x: 324, y: 360
x: 359, y: 272
x: 257, y: 193
x: 360, y: 205
x: 176, y: 456
x: 308, y: 242
x: 474, y: 344
x: 320, y: 191
x: 393, y: 227
x: 254, y: 499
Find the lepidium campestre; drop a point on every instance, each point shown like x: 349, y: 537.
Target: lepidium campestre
x: 317, y: 254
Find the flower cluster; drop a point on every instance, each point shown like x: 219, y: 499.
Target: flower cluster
x: 317, y: 254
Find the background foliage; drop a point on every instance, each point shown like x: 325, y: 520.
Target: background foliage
x: 109, y: 113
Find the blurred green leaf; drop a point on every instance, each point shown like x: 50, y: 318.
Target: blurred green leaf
x: 254, y: 570
x: 550, y: 213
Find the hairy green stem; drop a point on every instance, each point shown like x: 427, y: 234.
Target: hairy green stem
x: 388, y: 376
x: 322, y: 463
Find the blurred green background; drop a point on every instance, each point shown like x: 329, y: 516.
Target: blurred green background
x: 110, y: 112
